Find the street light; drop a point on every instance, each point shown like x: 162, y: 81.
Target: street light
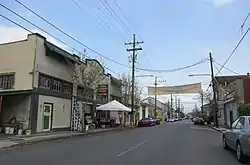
x: 194, y: 75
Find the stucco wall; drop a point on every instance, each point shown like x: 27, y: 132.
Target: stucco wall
x: 50, y: 65
x: 61, y: 112
x: 18, y: 57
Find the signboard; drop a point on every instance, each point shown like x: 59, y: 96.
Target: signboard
x: 181, y: 89
x: 103, y: 90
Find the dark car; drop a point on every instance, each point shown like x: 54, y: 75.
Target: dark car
x: 157, y: 120
x: 146, y: 122
x: 199, y: 121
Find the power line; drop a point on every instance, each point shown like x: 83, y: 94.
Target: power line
x: 100, y: 16
x: 117, y: 5
x: 245, y: 20
x: 176, y: 69
x: 113, y: 13
x: 60, y: 31
x: 143, y: 69
x: 231, y: 54
x: 225, y: 68
x: 51, y: 36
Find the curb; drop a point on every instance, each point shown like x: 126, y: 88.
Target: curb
x: 214, y: 128
x: 29, y: 142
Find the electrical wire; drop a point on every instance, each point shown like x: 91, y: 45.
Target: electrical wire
x: 100, y: 16
x: 176, y: 69
x: 105, y: 57
x: 117, y: 5
x: 225, y: 67
x: 244, y: 22
x: 91, y: 49
x: 19, y: 25
x: 234, y: 50
x: 114, y: 14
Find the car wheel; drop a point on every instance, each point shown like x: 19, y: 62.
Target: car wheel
x: 239, y: 154
x: 224, y: 143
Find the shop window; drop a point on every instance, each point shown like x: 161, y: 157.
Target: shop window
x: 7, y: 81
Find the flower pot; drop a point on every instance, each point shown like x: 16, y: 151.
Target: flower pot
x: 7, y: 130
x: 20, y: 132
x: 27, y: 132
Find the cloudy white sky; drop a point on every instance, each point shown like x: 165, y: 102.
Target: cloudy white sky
x: 176, y: 33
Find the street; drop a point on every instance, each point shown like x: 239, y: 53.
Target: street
x: 170, y: 143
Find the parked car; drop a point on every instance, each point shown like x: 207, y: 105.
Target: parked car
x: 146, y: 122
x: 157, y: 120
x: 237, y: 137
x: 171, y: 120
x: 199, y: 121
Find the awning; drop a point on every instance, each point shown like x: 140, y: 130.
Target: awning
x: 114, y: 106
x: 60, y: 52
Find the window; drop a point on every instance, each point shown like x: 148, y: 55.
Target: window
x: 240, y: 124
x: 234, y: 123
x: 44, y: 82
x: 67, y: 88
x: 7, y: 81
x: 57, y: 85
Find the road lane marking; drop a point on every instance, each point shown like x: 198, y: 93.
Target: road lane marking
x: 134, y: 147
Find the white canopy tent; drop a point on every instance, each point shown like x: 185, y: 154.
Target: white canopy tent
x: 113, y: 106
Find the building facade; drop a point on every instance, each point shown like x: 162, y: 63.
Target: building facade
x: 231, y: 92
x: 39, y: 79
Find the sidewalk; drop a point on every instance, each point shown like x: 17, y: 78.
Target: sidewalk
x: 23, y: 139
x: 221, y: 129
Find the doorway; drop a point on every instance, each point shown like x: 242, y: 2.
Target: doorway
x: 47, y: 116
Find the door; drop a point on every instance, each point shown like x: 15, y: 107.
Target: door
x: 47, y: 116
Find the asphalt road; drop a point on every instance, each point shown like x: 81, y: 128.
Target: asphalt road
x: 173, y: 144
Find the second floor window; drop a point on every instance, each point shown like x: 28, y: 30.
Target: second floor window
x: 57, y: 85
x: 45, y: 82
x: 7, y: 81
x: 67, y: 88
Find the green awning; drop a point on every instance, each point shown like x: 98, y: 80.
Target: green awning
x: 60, y: 52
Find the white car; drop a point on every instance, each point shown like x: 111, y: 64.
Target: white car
x: 171, y: 120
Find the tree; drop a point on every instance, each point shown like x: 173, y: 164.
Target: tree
x: 93, y: 74
x: 127, y: 90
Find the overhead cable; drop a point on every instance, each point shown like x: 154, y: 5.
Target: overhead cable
x: 105, y: 57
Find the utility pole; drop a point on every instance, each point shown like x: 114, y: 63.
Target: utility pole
x: 176, y: 106
x: 179, y: 106
x: 134, y: 56
x: 171, y: 105
x: 155, y: 95
x: 202, y: 109
x: 214, y: 92
x: 168, y: 109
